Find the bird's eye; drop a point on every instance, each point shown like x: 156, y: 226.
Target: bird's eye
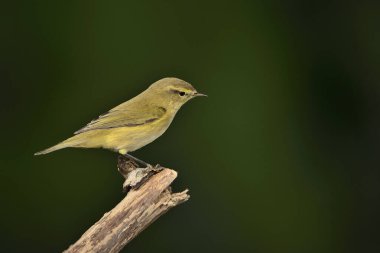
x: 181, y: 93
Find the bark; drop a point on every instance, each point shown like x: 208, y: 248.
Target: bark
x: 133, y: 214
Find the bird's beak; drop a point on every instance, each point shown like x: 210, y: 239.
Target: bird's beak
x: 197, y: 94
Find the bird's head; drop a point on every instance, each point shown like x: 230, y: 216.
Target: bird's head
x: 173, y: 91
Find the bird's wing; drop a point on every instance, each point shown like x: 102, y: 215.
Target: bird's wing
x: 125, y: 118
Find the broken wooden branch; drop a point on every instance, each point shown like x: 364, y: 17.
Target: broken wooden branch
x: 142, y: 205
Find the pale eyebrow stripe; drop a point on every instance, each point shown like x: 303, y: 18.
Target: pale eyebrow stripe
x: 176, y: 91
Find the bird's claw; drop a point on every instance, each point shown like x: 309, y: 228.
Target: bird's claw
x: 137, y: 177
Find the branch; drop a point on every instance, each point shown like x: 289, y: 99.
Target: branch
x: 132, y: 215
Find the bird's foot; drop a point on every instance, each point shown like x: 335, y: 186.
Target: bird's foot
x: 137, y: 177
x: 134, y: 175
x: 156, y: 168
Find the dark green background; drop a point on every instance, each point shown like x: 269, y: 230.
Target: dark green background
x: 283, y: 156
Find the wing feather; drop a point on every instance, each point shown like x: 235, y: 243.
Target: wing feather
x: 125, y: 118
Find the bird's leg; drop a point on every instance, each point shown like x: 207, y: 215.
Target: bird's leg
x: 141, y: 162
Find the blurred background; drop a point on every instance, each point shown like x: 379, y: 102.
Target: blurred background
x: 283, y: 156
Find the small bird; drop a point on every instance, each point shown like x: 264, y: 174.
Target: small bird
x: 135, y: 123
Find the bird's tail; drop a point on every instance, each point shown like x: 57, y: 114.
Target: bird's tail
x: 70, y: 142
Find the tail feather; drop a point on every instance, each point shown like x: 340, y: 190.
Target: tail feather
x: 51, y: 149
x: 71, y: 142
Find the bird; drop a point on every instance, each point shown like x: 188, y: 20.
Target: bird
x: 134, y: 123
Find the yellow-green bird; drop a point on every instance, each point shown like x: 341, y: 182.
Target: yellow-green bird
x: 135, y: 123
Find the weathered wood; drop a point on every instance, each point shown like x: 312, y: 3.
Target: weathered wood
x: 132, y: 215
